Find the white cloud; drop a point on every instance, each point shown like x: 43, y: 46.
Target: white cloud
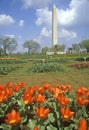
x: 65, y: 18
x: 44, y: 16
x: 27, y: 3
x: 75, y: 15
x: 36, y: 3
x: 44, y: 37
x: 6, y: 20
x: 19, y: 37
x: 10, y: 35
x: 45, y: 32
x: 21, y: 23
x: 67, y: 34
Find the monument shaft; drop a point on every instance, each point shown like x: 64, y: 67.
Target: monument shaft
x: 54, y: 26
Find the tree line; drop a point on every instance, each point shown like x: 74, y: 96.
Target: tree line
x: 9, y: 44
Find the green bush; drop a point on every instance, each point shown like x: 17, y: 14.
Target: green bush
x: 5, y: 69
x: 45, y: 67
x: 82, y: 59
x: 12, y: 61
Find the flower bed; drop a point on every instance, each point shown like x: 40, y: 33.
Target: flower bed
x: 80, y: 65
x: 43, y: 108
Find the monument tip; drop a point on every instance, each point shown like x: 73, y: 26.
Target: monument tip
x: 54, y: 6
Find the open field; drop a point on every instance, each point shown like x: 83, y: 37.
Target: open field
x: 70, y: 75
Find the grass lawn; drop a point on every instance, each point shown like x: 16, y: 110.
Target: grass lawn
x: 70, y: 75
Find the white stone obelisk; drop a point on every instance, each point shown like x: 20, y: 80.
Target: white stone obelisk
x: 54, y: 26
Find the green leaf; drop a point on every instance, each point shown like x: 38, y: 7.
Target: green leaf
x: 24, y: 120
x: 79, y: 114
x: 32, y: 123
x: 57, y: 114
x: 41, y: 127
x: 51, y: 117
x: 50, y: 127
x: 46, y: 122
x: 67, y: 128
x: 1, y: 112
x: 5, y: 127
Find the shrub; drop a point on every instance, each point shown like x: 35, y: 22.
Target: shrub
x: 45, y: 67
x: 82, y: 58
x: 5, y: 68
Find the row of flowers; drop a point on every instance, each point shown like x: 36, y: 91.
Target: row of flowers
x: 9, y: 58
x: 80, y: 65
x: 47, y: 107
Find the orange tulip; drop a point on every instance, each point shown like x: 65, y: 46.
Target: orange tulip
x: 27, y: 92
x: 41, y: 89
x: 10, y: 85
x: 57, y: 92
x: 9, y: 92
x: 13, y: 118
x: 16, y: 88
x: 35, y: 128
x: 32, y: 89
x: 21, y: 84
x: 66, y: 113
x: 82, y: 91
x: 42, y: 112
x: 57, y: 86
x: 3, y: 93
x: 39, y: 98
x: 87, y: 95
x: 63, y: 100
x: 28, y: 99
x: 82, y: 124
x: 2, y: 98
x: 81, y: 101
x: 64, y: 88
x: 47, y: 86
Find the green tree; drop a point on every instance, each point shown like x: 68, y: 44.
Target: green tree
x: 32, y: 46
x: 1, y: 51
x: 84, y: 44
x: 8, y: 44
x: 59, y: 48
x: 45, y: 49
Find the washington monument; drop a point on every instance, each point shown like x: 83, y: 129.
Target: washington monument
x: 54, y: 26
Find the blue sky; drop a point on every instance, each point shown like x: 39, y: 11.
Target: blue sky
x: 31, y: 20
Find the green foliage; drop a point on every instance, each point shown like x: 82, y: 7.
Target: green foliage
x: 8, y: 44
x: 85, y: 44
x: 5, y: 68
x: 82, y: 59
x: 12, y: 61
x: 45, y: 67
x: 31, y: 45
